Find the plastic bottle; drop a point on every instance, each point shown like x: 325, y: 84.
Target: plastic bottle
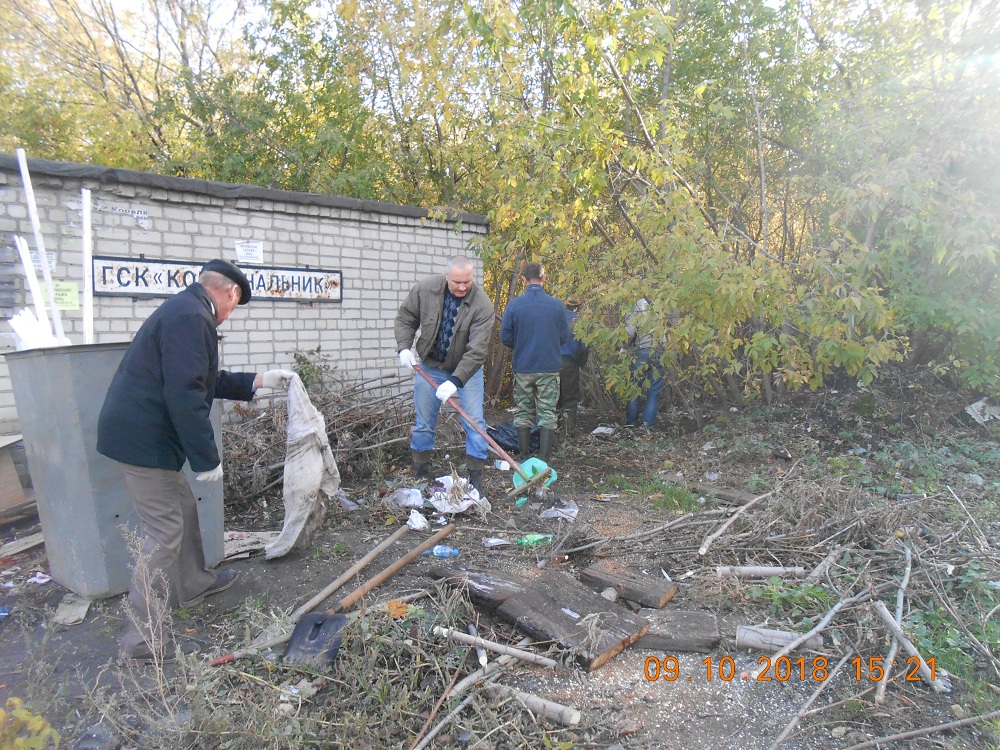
x: 533, y: 540
x: 442, y: 550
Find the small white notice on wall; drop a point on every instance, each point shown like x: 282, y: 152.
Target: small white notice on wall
x: 249, y: 251
x: 37, y: 263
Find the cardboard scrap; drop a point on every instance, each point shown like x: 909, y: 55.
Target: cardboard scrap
x: 72, y: 610
x: 244, y: 543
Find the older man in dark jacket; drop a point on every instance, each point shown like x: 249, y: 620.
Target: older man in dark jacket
x: 455, y: 320
x: 157, y: 414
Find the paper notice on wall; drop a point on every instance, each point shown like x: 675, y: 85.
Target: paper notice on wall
x: 37, y: 263
x: 249, y: 251
x: 67, y: 294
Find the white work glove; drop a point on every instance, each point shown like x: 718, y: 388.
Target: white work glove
x: 446, y: 390
x: 210, y: 476
x: 276, y: 380
x: 407, y: 359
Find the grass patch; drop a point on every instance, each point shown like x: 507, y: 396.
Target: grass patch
x: 663, y: 496
x: 792, y: 600
x: 620, y: 482
x: 666, y: 498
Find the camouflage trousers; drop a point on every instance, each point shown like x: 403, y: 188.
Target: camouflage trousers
x: 536, y: 393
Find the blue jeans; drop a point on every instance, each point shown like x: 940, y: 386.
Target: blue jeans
x: 645, y: 368
x: 427, y: 407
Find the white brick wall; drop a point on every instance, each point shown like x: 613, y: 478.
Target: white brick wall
x: 381, y: 249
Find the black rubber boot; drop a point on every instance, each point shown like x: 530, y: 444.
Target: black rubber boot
x: 523, y: 441
x: 569, y: 423
x: 422, y: 464
x: 475, y: 466
x: 476, y: 480
x: 546, y: 442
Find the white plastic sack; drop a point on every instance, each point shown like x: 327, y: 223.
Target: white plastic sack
x: 311, y: 477
x: 417, y: 522
x: 407, y: 497
x: 458, y: 497
x: 982, y: 411
x: 568, y: 511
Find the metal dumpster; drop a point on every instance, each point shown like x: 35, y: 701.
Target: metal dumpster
x: 82, y: 501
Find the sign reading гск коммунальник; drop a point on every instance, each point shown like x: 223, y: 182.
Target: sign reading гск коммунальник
x: 141, y: 277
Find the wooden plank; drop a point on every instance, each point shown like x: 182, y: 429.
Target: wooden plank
x: 557, y: 607
x: 25, y: 509
x: 6, y: 440
x: 630, y: 583
x: 21, y: 545
x: 723, y: 495
x: 678, y: 630
x: 486, y: 587
x: 11, y: 491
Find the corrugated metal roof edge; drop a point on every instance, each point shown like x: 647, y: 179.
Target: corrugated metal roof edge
x: 112, y: 175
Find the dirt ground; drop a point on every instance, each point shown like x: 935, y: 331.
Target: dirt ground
x: 621, y: 486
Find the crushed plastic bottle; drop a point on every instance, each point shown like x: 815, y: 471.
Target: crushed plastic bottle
x: 442, y: 550
x: 534, y: 540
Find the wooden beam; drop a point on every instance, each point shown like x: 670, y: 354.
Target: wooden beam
x: 485, y: 587
x: 678, y: 630
x: 21, y: 545
x: 557, y: 607
x: 631, y: 584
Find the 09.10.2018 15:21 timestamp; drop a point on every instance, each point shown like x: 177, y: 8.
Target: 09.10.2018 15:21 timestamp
x: 781, y: 669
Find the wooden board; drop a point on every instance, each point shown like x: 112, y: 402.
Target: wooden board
x: 11, y: 492
x: 557, y: 607
x: 25, y: 509
x: 8, y: 440
x: 723, y: 495
x: 678, y: 630
x: 21, y: 545
x: 630, y: 583
x: 486, y: 587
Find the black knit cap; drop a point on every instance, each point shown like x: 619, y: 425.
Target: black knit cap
x: 230, y: 270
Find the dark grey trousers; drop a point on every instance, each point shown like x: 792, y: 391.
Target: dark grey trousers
x: 174, y: 569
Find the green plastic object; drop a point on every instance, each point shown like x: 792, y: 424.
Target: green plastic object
x: 533, y: 467
x: 535, y: 540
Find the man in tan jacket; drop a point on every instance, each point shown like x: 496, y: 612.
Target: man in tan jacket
x: 455, y: 319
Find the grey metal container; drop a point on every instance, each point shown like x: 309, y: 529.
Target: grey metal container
x: 82, y: 500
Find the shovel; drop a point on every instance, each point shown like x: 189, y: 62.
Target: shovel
x: 317, y: 636
x: 316, y: 640
x: 541, y: 472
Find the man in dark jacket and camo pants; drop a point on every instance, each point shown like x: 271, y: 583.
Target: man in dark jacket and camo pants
x: 534, y: 325
x: 455, y: 320
x: 157, y: 413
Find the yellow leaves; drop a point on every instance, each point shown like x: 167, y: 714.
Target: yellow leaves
x: 347, y: 9
x: 396, y: 609
x: 20, y: 729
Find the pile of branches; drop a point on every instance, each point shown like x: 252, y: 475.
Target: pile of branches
x: 893, y: 577
x: 368, y: 424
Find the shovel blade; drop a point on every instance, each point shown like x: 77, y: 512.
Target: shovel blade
x: 315, y: 640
